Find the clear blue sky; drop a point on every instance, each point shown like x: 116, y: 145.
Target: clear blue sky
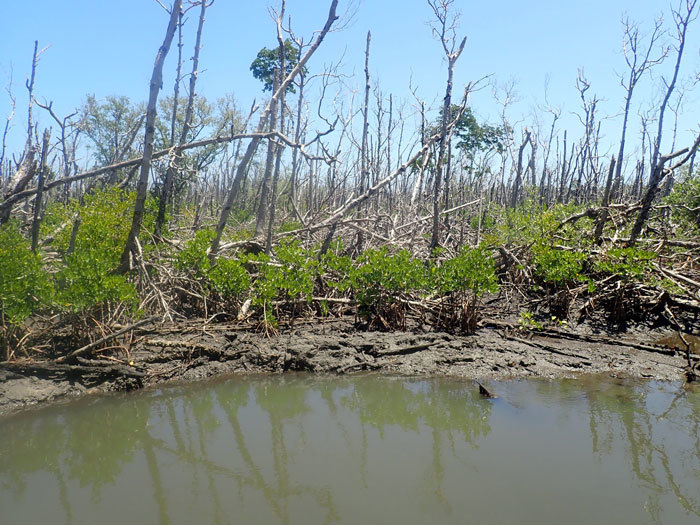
x: 108, y: 48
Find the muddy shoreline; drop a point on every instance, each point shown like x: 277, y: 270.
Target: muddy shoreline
x: 191, y: 352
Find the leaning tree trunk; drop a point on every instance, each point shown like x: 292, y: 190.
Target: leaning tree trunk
x: 151, y: 111
x: 253, y: 145
x: 171, y: 172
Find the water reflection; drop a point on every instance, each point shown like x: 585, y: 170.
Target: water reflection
x: 298, y: 449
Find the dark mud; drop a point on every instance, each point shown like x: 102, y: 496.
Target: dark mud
x: 189, y: 352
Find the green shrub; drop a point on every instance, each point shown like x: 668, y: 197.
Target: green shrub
x: 86, y: 278
x: 193, y: 259
x: 227, y: 278
x: 25, y: 287
x: 630, y: 264
x: 290, y: 280
x: 335, y: 268
x: 381, y: 280
x: 557, y: 268
x: 87, y: 281
x: 685, y: 197
x: 464, y: 278
x: 471, y: 272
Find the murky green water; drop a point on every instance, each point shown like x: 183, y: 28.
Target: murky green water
x: 359, y: 450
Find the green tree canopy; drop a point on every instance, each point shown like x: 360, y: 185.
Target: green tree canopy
x: 473, y: 137
x: 113, y: 127
x: 264, y: 65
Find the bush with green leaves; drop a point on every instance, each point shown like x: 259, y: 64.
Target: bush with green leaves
x: 557, y: 268
x: 227, y: 278
x: 287, y: 282
x: 464, y: 279
x: 685, y: 200
x: 25, y: 287
x: 87, y: 279
x: 532, y: 222
x: 381, y: 282
x: 335, y: 269
x: 193, y: 258
x: 630, y: 264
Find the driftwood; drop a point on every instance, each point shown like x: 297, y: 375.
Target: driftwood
x: 52, y: 369
x: 87, y: 348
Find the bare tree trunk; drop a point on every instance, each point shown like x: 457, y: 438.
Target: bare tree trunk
x: 269, y: 162
x: 40, y: 189
x: 278, y: 147
x: 151, y: 111
x: 253, y: 145
x: 603, y: 213
x: 172, y: 170
x: 452, y: 51
x: 658, y: 172
x: 656, y: 177
x: 636, y: 70
x: 515, y: 197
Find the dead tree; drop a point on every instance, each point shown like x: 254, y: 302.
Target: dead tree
x: 45, y: 144
x: 172, y: 170
x: 603, y: 212
x: 151, y: 111
x: 515, y: 197
x: 278, y: 148
x: 446, y: 30
x: 253, y: 145
x: 682, y: 19
x: 639, y: 61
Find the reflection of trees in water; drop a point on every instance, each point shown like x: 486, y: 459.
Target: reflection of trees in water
x: 283, y: 401
x: 447, y: 408
x: 622, y: 410
x: 91, y: 447
x: 659, y: 434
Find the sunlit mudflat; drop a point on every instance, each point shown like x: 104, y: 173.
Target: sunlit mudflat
x: 306, y: 450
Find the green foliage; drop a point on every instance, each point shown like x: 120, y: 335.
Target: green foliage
x: 336, y: 268
x: 289, y: 226
x: 531, y: 222
x: 193, y: 259
x: 228, y: 277
x: 109, y: 125
x: 87, y: 282
x: 290, y: 280
x: 685, y: 198
x: 465, y: 278
x: 631, y: 264
x: 473, y: 137
x: 24, y: 285
x: 528, y: 322
x: 557, y: 268
x: 267, y: 60
x: 472, y: 271
x: 87, y: 277
x: 379, y: 282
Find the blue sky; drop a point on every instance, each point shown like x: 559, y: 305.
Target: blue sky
x: 108, y: 48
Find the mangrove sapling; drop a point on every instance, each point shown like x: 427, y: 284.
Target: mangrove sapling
x: 381, y: 283
x: 25, y: 287
x: 221, y: 285
x: 464, y: 279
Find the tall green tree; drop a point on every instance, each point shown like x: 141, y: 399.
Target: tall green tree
x: 112, y: 125
x: 267, y: 60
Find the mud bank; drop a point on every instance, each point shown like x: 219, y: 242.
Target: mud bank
x: 189, y: 352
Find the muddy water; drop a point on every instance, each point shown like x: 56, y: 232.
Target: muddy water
x: 299, y: 449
